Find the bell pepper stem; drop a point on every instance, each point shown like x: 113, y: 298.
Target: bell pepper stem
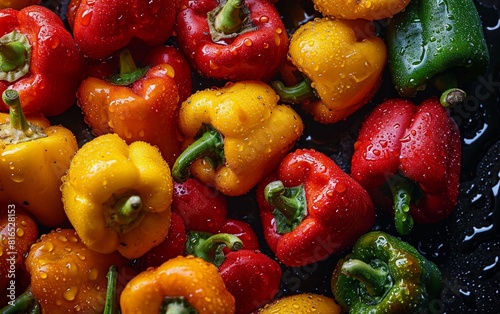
x: 402, y: 198
x: 129, y: 72
x: 296, y: 94
x: 25, y: 303
x: 230, y: 19
x: 374, y: 279
x: 206, y: 248
x: 17, y: 118
x: 289, y: 201
x: 210, y: 144
x: 111, y: 305
x: 176, y: 305
x: 452, y: 97
x: 127, y: 209
x: 12, y: 56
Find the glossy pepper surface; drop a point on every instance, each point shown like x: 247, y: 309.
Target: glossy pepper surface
x: 235, y: 135
x: 34, y: 157
x: 385, y: 275
x: 17, y: 4
x: 360, y: 9
x: 179, y: 279
x: 431, y: 38
x: 413, y: 153
x: 66, y: 276
x: 118, y: 196
x: 103, y: 27
x: 302, y: 303
x: 39, y: 59
x: 310, y: 208
x: 342, y: 62
x: 239, y: 40
x: 145, y: 108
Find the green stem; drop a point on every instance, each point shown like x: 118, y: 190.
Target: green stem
x: 230, y: 18
x: 176, y: 305
x: 111, y: 306
x: 402, y: 199
x: 298, y: 93
x: 452, y: 97
x: 25, y: 303
x: 210, y: 144
x: 17, y: 118
x: 375, y: 279
x: 209, y: 248
x: 127, y: 209
x: 12, y: 55
x: 129, y: 72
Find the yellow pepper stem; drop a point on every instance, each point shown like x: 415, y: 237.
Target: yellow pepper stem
x: 17, y: 118
x: 127, y: 209
x: 302, y: 91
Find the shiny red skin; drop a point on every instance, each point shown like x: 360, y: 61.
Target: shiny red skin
x: 202, y: 207
x: 339, y: 209
x: 56, y: 66
x: 102, y: 27
x: 18, y: 231
x: 242, y: 230
x: 253, y: 55
x: 251, y: 277
x: 420, y: 141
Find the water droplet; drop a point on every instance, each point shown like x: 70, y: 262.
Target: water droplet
x: 43, y: 275
x: 70, y: 293
x: 20, y: 232
x: 86, y: 17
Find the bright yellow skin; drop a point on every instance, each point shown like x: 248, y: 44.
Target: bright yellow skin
x: 343, y: 59
x: 301, y: 304
x: 257, y: 133
x: 101, y: 172
x: 30, y: 172
x: 17, y: 4
x: 190, y: 277
x: 360, y: 9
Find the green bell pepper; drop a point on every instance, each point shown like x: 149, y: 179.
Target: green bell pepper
x: 385, y: 275
x: 438, y: 42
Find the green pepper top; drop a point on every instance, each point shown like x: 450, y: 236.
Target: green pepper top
x: 385, y: 275
x: 430, y: 38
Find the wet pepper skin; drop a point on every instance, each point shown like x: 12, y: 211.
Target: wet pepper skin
x: 17, y: 4
x: 56, y: 64
x: 66, y: 276
x: 360, y: 9
x: 192, y: 278
x: 104, y: 178
x: 344, y: 61
x: 422, y: 143
x: 252, y: 55
x: 101, y: 27
x: 338, y: 209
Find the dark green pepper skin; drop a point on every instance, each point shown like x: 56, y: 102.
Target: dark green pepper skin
x: 430, y: 38
x: 409, y: 281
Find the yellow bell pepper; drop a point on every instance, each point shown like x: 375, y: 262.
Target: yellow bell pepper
x: 342, y: 61
x: 118, y: 196
x: 360, y: 9
x: 185, y: 282
x: 33, y: 158
x: 235, y: 135
x: 302, y: 303
x: 17, y: 4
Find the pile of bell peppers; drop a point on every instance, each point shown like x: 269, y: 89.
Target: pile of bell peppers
x: 189, y: 105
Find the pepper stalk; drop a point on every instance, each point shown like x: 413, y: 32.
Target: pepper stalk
x: 209, y: 246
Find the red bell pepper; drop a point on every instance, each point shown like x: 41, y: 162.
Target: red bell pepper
x: 102, y: 27
x: 39, y: 59
x: 310, y: 208
x: 415, y: 153
x: 234, y: 40
x: 251, y: 277
x: 139, y: 104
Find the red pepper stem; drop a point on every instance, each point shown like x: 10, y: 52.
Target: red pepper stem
x: 296, y: 94
x: 230, y: 19
x: 12, y: 56
x: 206, y: 249
x: 402, y: 198
x: 289, y: 201
x: 176, y: 305
x: 210, y: 144
x: 25, y: 303
x: 17, y: 118
x: 111, y: 305
x: 374, y: 279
